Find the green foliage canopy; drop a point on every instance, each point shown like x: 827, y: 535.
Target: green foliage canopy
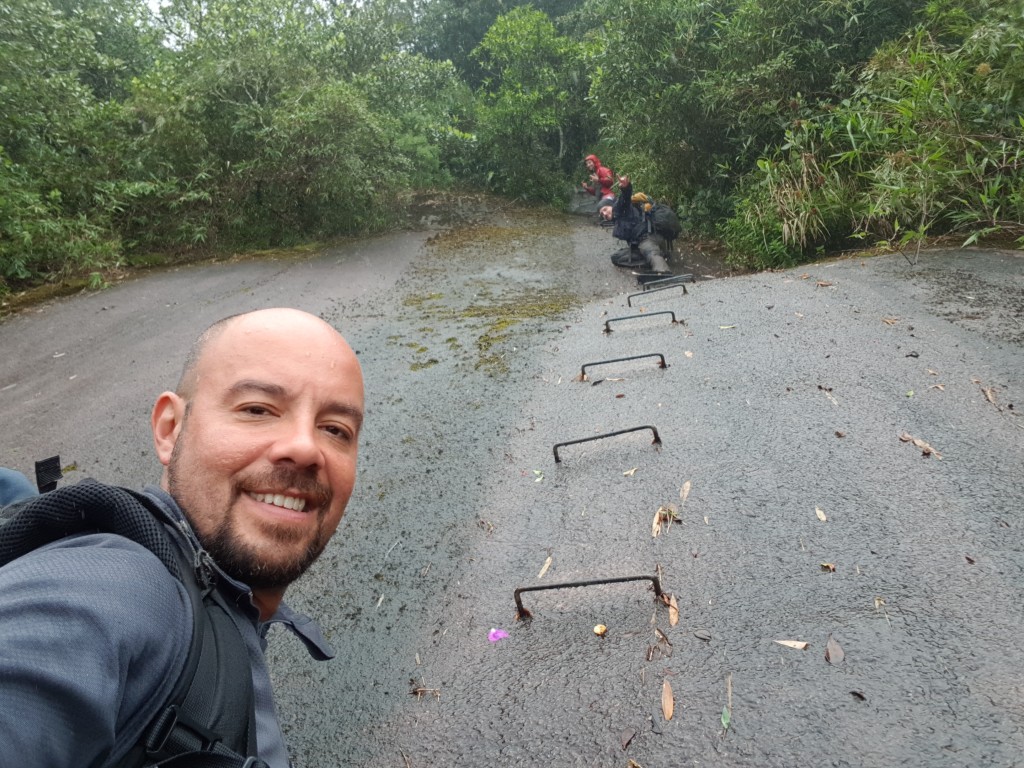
x: 786, y: 127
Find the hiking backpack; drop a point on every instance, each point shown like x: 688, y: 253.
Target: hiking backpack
x: 209, y: 720
x: 663, y: 220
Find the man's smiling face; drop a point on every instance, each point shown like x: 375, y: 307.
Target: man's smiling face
x: 262, y: 457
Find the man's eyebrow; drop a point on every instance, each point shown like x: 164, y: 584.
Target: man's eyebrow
x: 246, y: 386
x: 346, y: 409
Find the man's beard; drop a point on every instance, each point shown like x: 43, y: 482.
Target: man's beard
x: 241, y: 561
x: 236, y: 557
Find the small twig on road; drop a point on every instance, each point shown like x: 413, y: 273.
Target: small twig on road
x: 421, y: 690
x: 880, y: 606
x: 990, y: 397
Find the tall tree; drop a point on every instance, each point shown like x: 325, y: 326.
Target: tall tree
x: 452, y: 29
x: 533, y: 88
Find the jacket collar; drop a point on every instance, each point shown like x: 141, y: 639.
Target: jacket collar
x: 302, y: 626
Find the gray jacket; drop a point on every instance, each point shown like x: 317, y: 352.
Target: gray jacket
x: 93, y: 634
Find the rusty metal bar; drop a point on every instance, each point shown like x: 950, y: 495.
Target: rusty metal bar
x: 662, y: 364
x: 629, y: 299
x: 656, y: 441
x: 522, y: 613
x: 607, y: 328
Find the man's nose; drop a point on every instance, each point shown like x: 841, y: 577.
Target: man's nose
x: 299, y: 443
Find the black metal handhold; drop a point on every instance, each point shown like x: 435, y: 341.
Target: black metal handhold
x: 583, y: 370
x: 522, y: 613
x: 656, y: 441
x: 666, y: 281
x: 608, y: 329
x: 629, y: 299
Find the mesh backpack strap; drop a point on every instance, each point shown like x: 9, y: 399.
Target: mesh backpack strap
x: 85, y: 507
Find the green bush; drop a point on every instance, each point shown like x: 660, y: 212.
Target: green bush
x: 38, y: 239
x: 931, y: 142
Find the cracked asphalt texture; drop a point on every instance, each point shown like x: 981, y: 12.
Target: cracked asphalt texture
x: 786, y: 393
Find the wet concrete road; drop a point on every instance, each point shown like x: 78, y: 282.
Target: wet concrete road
x: 786, y: 393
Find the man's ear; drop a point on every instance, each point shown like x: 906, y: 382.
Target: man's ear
x: 166, y: 421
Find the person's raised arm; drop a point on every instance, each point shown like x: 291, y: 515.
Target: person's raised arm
x: 625, y: 196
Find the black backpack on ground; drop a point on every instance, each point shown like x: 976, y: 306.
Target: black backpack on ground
x: 209, y: 720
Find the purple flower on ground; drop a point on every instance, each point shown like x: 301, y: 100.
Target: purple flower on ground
x: 497, y: 634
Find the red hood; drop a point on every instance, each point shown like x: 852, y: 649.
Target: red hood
x: 597, y: 163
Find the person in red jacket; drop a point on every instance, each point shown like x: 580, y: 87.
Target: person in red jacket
x: 601, y: 179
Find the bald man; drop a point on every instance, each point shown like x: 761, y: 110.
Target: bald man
x: 259, y: 443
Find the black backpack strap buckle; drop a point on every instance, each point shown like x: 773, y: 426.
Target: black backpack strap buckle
x: 48, y: 473
x: 173, y: 731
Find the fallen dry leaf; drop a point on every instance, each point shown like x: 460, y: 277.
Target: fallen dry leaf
x: 926, y: 450
x: 830, y: 567
x: 970, y: 560
x: 688, y: 353
x: 667, y: 514
x: 840, y: 434
x: 668, y: 703
x: 798, y: 314
x: 804, y: 276
x: 990, y: 394
x: 684, y: 492
x: 931, y: 372
x: 890, y: 320
x: 630, y: 472
x: 859, y: 695
x: 673, y: 610
x: 822, y: 284
x: 938, y: 387
x: 821, y: 515
x: 547, y: 564
x: 726, y: 327
x: 834, y: 654
x: 799, y: 645
x: 626, y: 738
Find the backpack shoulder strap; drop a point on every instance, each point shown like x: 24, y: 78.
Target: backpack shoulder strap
x: 85, y: 507
x: 209, y: 719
